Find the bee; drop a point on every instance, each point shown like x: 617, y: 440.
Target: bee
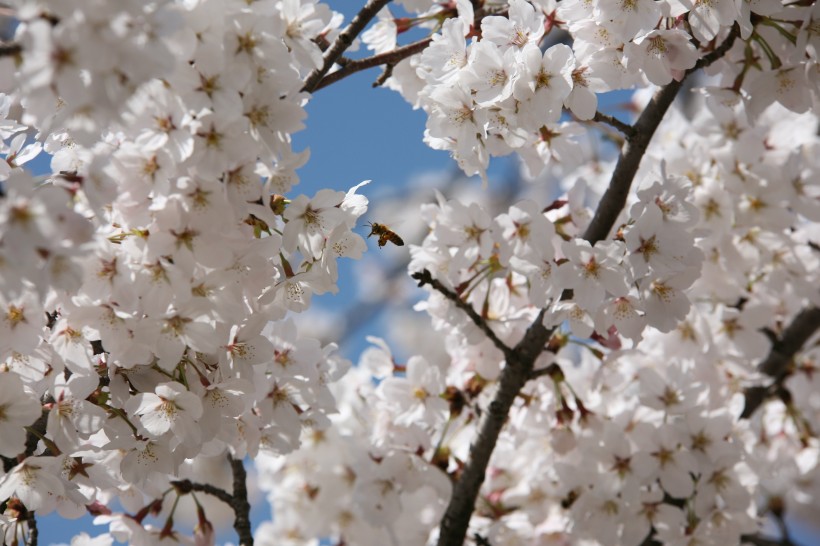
x: 385, y: 234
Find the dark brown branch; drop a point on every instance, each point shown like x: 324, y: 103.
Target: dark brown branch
x: 759, y: 540
x: 514, y: 376
x: 384, y: 76
x: 424, y: 277
x: 481, y: 541
x: 624, y: 128
x: 238, y: 500
x: 390, y: 58
x: 777, y: 363
x: 775, y: 510
x: 10, y: 50
x: 343, y: 41
x: 553, y: 370
x: 519, y: 365
x: 614, y: 199
x: 31, y: 440
x: 632, y: 153
x: 186, y: 486
x: 794, y: 337
x: 8, y: 464
x: 240, y: 504
x: 718, y: 52
x: 33, y: 533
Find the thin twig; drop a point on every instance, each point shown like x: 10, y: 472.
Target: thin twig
x: 37, y: 429
x: 718, y: 52
x: 794, y: 337
x: 785, y: 538
x: 384, y: 76
x: 240, y: 504
x: 777, y: 363
x: 553, y: 370
x: 614, y: 199
x: 344, y: 41
x: 424, y: 277
x: 392, y: 57
x: 759, y: 540
x: 186, y: 486
x: 388, y: 58
x: 625, y: 128
x: 238, y: 500
x: 481, y: 540
x: 33, y: 533
x: 9, y: 50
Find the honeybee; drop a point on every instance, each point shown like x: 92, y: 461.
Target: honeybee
x: 385, y: 234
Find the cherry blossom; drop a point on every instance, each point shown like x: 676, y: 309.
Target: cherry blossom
x: 157, y: 278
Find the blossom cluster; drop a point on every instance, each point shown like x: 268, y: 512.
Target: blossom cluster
x: 510, y: 266
x: 611, y: 440
x: 633, y: 422
x: 147, y: 282
x: 500, y: 86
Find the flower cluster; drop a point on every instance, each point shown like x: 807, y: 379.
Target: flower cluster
x: 611, y: 440
x: 367, y: 479
x: 147, y: 282
x: 523, y: 260
x: 499, y: 87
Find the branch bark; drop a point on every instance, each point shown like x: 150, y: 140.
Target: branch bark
x: 517, y: 371
x: 759, y: 540
x: 424, y: 277
x: 186, y: 486
x: 9, y: 50
x: 637, y: 140
x: 794, y: 337
x: 518, y: 368
x: 241, y: 506
x: 390, y: 58
x: 33, y: 533
x: 238, y: 500
x: 343, y: 41
x: 31, y: 441
x: 777, y: 363
x: 625, y: 128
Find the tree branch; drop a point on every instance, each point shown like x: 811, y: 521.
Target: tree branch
x: 624, y: 128
x: 632, y: 153
x: 10, y: 50
x: 777, y: 363
x: 514, y: 376
x: 390, y: 58
x: 519, y: 367
x: 759, y: 540
x: 241, y: 506
x: 794, y: 337
x: 39, y: 426
x: 186, y: 486
x: 238, y: 500
x: 424, y: 277
x: 343, y: 41
x: 33, y: 533
x: 634, y: 148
